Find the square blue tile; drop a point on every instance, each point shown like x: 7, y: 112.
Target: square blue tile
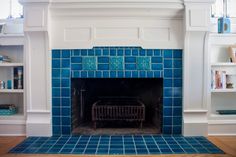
x: 116, y: 63
x: 143, y: 63
x: 56, y: 54
x: 65, y: 53
x: 89, y: 63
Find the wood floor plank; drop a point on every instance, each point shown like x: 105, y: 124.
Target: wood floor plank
x: 227, y: 144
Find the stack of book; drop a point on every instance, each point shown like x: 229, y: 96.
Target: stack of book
x: 4, y: 59
x: 218, y: 79
x: 7, y: 109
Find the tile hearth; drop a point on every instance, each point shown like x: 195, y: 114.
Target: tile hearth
x: 116, y: 145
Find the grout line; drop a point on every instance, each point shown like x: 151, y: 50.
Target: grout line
x: 76, y: 144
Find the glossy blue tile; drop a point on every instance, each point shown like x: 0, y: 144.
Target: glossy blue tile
x: 76, y: 67
x: 168, y: 73
x: 76, y: 59
x: 65, y: 63
x: 157, y: 67
x: 65, y: 92
x: 103, y: 59
x: 91, y: 74
x: 143, y: 63
x: 112, y: 52
x: 150, y: 74
x: 66, y: 130
x: 84, y: 74
x: 91, y: 52
x: 103, y: 66
x: 89, y: 63
x: 127, y: 51
x: 167, y: 111
x: 56, y: 102
x: 76, y: 74
x: 65, y: 73
x: 106, y: 74
x: 134, y: 74
x: 168, y: 82
x: 167, y: 53
x: 157, y: 74
x: 120, y: 74
x: 56, y: 73
x: 149, y: 52
x: 130, y: 59
x: 177, y: 53
x: 65, y: 102
x: 168, y: 92
x: 142, y: 52
x: 177, y: 63
x: 135, y: 52
x: 77, y: 52
x: 130, y: 66
x: 116, y: 151
x: 168, y: 63
x: 84, y: 52
x: 105, y: 52
x: 157, y: 52
x: 56, y: 92
x: 98, y: 52
x: 65, y: 53
x: 113, y: 74
x: 65, y: 120
x: 56, y: 63
x: 120, y: 52
x: 156, y: 59
x: 116, y: 63
x: 167, y: 120
x: 56, y: 82
x: 98, y: 74
x: 178, y: 73
x: 56, y: 54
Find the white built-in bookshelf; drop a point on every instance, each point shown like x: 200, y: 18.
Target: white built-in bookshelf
x: 220, y: 68
x: 13, y: 47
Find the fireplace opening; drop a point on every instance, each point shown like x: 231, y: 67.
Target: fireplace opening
x: 117, y: 105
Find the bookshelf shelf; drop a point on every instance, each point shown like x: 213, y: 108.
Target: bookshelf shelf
x: 11, y: 91
x: 12, y: 46
x: 223, y: 90
x: 220, y: 75
x: 223, y: 64
x: 11, y: 64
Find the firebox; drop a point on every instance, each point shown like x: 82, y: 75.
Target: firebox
x: 117, y: 105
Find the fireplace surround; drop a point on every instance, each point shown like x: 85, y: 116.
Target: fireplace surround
x: 57, y: 29
x: 117, y: 62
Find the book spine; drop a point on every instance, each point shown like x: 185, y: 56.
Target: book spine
x: 223, y: 79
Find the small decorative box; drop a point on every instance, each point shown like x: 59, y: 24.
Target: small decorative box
x: 7, y: 109
x: 224, y: 25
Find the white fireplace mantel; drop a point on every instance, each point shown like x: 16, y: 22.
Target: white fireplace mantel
x: 69, y: 24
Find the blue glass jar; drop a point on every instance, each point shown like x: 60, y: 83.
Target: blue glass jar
x: 224, y: 25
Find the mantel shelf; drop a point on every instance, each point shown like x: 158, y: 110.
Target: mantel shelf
x: 11, y: 91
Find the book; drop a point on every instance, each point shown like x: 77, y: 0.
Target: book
x: 218, y: 79
x: 18, y: 77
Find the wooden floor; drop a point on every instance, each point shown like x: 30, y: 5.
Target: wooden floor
x: 228, y: 144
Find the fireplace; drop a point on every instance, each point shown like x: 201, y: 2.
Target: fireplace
x: 154, y: 75
x: 117, y: 103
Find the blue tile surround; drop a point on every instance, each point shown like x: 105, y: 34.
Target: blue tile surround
x: 116, y: 145
x: 117, y: 62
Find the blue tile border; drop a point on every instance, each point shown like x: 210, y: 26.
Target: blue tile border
x: 117, y: 62
x: 116, y: 145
